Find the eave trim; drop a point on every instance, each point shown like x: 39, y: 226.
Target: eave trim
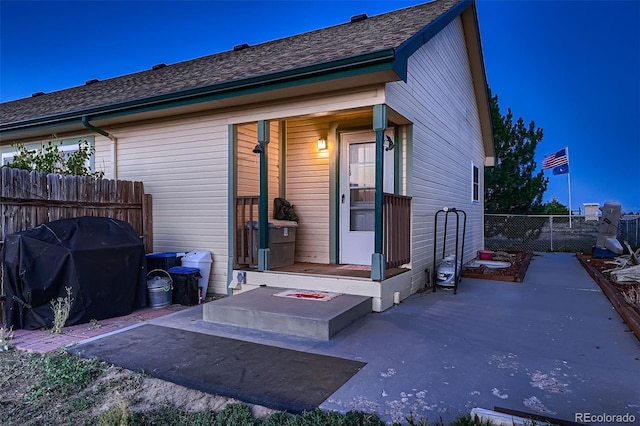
x: 370, y: 62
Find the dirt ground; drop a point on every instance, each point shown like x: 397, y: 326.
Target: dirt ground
x: 114, y: 388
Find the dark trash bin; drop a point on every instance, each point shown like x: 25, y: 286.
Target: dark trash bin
x: 185, y: 285
x: 162, y: 260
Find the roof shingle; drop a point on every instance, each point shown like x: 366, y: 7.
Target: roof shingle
x: 385, y: 31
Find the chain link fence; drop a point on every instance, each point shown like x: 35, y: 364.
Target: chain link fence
x: 560, y: 233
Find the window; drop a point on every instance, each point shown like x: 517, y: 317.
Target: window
x: 67, y: 147
x: 475, y: 183
x: 7, y: 157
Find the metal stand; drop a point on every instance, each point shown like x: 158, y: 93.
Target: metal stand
x: 458, y: 253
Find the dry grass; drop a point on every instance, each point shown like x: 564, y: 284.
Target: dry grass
x: 61, y: 309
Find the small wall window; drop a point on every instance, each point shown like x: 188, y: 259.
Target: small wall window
x: 475, y: 183
x: 67, y: 147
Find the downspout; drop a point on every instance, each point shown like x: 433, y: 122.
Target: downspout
x: 114, y: 145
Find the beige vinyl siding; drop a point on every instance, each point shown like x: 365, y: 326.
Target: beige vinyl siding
x: 311, y: 105
x: 103, y: 156
x: 183, y: 164
x: 308, y: 177
x: 439, y: 99
x: 307, y: 187
x: 248, y: 162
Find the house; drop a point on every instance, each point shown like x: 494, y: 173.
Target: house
x: 368, y: 128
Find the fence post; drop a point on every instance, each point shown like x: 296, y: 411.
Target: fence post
x: 147, y: 223
x: 551, y: 230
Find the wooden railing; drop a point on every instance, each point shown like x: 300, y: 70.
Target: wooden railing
x: 245, y: 222
x: 396, y: 229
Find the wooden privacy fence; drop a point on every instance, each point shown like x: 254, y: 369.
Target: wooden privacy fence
x: 29, y: 199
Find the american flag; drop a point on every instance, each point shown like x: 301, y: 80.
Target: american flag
x: 554, y: 160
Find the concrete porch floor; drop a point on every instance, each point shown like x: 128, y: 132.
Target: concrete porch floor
x: 262, y: 309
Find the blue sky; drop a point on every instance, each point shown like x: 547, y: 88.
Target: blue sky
x: 572, y: 67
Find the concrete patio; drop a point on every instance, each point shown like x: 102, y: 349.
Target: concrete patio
x: 551, y: 345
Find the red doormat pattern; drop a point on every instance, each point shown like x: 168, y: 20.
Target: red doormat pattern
x: 322, y: 296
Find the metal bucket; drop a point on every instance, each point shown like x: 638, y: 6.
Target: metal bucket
x: 159, y: 289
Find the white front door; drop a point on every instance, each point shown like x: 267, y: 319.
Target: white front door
x: 357, y: 194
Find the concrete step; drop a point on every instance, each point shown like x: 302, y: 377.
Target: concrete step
x: 259, y: 309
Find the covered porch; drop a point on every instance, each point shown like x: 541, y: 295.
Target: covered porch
x: 344, y: 171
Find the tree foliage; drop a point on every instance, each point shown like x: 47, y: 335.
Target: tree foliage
x: 511, y: 186
x: 51, y: 159
x: 554, y: 207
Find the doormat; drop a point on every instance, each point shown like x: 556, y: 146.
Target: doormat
x: 277, y: 378
x: 322, y: 296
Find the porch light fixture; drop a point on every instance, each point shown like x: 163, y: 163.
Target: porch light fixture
x: 322, y: 144
x: 388, y: 144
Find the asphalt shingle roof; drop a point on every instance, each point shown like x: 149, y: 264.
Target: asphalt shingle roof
x: 385, y: 31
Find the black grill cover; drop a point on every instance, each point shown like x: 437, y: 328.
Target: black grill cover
x: 101, y: 259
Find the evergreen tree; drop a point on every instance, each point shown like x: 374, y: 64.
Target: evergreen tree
x: 554, y: 207
x: 511, y: 185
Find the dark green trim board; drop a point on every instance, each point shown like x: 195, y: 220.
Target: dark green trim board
x: 379, y: 126
x: 409, y: 154
x: 232, y: 190
x: 419, y: 39
x: 263, y: 202
x: 397, y: 160
x: 282, y: 159
x: 381, y: 60
x: 334, y: 192
x: 377, y: 258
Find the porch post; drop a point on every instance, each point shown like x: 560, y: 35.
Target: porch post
x: 378, y: 259
x: 263, y: 206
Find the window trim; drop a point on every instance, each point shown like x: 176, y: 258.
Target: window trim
x: 475, y: 183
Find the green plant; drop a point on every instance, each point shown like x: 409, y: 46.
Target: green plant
x: 51, y: 159
x: 236, y: 415
x: 62, y: 375
x: 61, y: 309
x: 6, y: 336
x: 167, y: 414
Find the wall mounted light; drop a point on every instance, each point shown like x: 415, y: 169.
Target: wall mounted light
x: 322, y: 144
x: 388, y: 144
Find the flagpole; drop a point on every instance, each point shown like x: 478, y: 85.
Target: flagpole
x: 569, y: 183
